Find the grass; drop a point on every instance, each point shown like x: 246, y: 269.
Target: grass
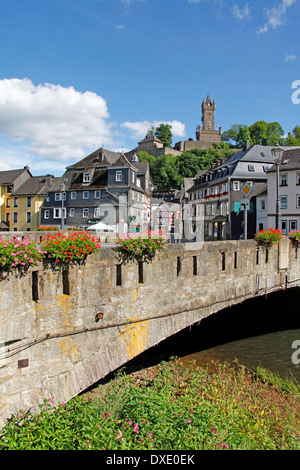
x: 181, y: 408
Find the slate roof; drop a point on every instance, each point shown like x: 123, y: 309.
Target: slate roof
x: 36, y: 185
x: 290, y: 161
x: 98, y: 158
x: 151, y: 138
x: 236, y: 165
x: 9, y: 176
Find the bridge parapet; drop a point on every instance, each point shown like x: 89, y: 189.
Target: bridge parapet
x: 62, y: 331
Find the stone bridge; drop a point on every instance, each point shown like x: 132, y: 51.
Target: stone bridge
x: 62, y: 331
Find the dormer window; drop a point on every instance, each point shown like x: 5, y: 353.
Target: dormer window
x: 86, y: 177
x: 251, y: 168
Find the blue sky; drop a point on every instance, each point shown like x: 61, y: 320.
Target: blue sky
x: 79, y: 74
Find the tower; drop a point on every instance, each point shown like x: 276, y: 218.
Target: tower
x: 207, y: 134
x: 208, y: 114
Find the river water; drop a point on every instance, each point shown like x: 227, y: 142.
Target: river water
x: 258, y: 332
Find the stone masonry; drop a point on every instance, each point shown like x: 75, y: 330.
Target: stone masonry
x: 61, y: 332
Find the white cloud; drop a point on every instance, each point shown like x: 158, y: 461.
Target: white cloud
x: 139, y: 129
x: 57, y: 123
x: 275, y: 15
x: 241, y: 13
x: 291, y: 58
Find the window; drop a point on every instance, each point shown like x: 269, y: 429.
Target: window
x: 132, y: 177
x: 298, y: 178
x: 97, y: 194
x: 86, y: 194
x: 283, y: 180
x: 72, y: 212
x: 57, y: 212
x: 263, y: 204
x: 85, y: 213
x: 16, y: 202
x: 86, y: 177
x: 118, y: 175
x: 57, y: 197
x: 266, y: 167
x: 293, y: 225
x: 15, y: 219
x: 298, y: 201
x: 96, y: 212
x: 236, y: 185
x: 283, y: 202
x: 46, y: 214
x: 28, y: 204
x: 48, y: 198
x: 284, y: 227
x: 28, y: 217
x: 251, y: 168
x: 73, y: 195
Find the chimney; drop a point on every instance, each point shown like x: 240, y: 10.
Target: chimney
x: 247, y: 145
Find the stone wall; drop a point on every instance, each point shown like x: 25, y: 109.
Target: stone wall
x: 60, y: 332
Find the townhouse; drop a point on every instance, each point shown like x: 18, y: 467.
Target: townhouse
x: 104, y: 186
x: 26, y: 200
x: 289, y: 192
x: 218, y: 196
x: 10, y: 180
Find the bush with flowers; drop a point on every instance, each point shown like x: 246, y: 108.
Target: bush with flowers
x: 140, y: 248
x: 268, y: 237
x: 294, y: 235
x: 67, y: 249
x: 20, y: 254
x: 45, y: 228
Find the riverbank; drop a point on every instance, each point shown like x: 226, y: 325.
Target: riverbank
x: 170, y: 406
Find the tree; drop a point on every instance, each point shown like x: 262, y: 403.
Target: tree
x: 232, y: 133
x: 164, y: 133
x: 296, y: 133
x: 243, y: 136
x: 150, y: 131
x: 258, y: 132
x: 274, y: 134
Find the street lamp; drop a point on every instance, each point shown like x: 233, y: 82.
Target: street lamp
x: 277, y: 153
x: 63, y: 188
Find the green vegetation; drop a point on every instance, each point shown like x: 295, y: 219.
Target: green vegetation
x: 268, y: 236
x: 163, y: 132
x: 67, y: 249
x: 178, y: 408
x: 170, y: 170
x: 141, y: 248
x: 261, y: 132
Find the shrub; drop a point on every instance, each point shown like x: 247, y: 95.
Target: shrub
x: 66, y: 249
x: 182, y: 407
x: 294, y: 235
x: 141, y: 248
x: 45, y: 228
x: 268, y: 237
x: 19, y: 254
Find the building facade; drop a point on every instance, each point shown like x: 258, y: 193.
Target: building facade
x: 10, y: 180
x: 289, y: 192
x: 224, y: 190
x: 26, y: 200
x: 103, y: 187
